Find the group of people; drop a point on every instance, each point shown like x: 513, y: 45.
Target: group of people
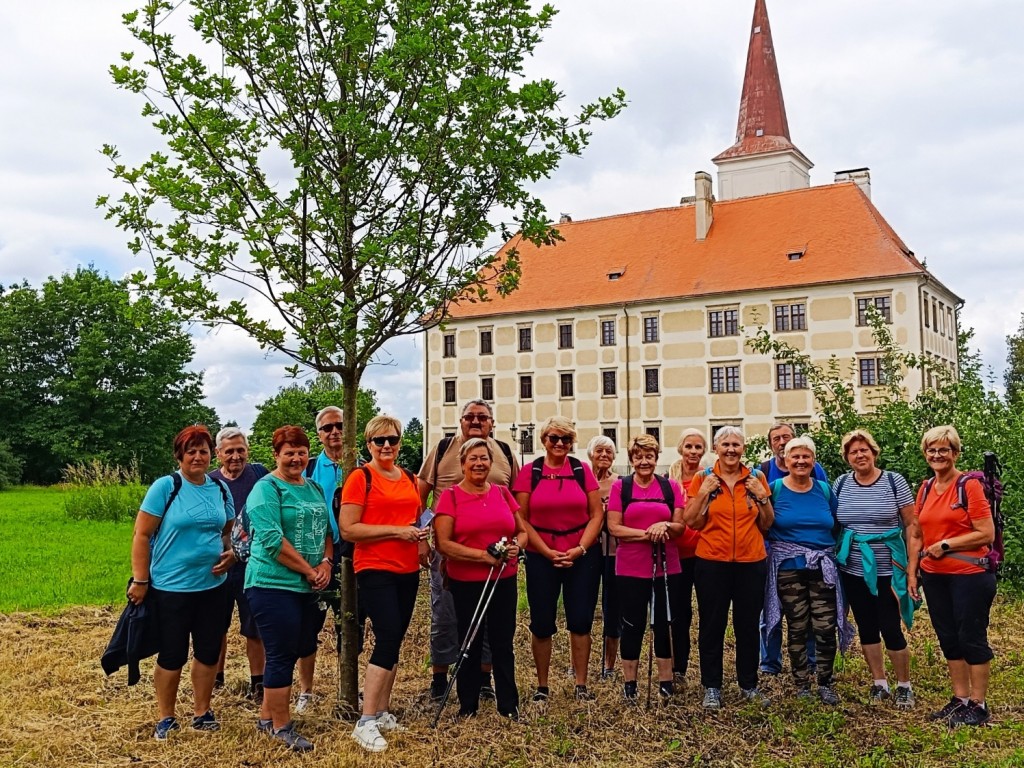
x: 768, y: 543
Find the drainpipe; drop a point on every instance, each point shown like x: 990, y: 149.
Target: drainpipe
x: 629, y: 414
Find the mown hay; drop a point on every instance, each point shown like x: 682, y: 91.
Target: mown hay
x: 59, y: 710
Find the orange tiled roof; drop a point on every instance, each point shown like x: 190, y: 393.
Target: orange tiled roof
x: 842, y: 235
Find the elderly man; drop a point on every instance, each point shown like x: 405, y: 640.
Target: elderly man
x: 775, y: 469
x: 325, y: 470
x: 240, y: 476
x: 441, y: 470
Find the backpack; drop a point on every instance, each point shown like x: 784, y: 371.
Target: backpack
x: 446, y: 443
x: 668, y: 495
x: 993, y: 487
x: 831, y: 497
x: 754, y: 472
x: 240, y: 544
x: 841, y: 481
x: 537, y: 473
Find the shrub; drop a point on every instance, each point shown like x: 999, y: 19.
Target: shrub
x: 10, y: 466
x: 104, y: 492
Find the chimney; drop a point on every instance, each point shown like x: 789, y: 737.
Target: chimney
x: 859, y: 176
x: 565, y: 218
x: 704, y: 203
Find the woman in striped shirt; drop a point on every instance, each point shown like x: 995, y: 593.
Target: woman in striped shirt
x: 879, y: 546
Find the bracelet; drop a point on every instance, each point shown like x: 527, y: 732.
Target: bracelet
x: 143, y: 583
x: 326, y: 560
x: 761, y: 501
x: 582, y: 548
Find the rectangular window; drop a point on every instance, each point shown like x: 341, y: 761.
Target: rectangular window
x: 449, y: 391
x: 724, y: 322
x: 652, y: 385
x: 650, y: 329
x: 935, y: 315
x: 526, y: 339
x: 611, y: 433
x: 951, y: 325
x: 526, y: 387
x: 607, y: 333
x: 565, y: 384
x: 526, y: 441
x: 487, y: 389
x: 725, y: 378
x: 789, y: 376
x: 608, y: 382
x: 653, y: 431
x: 449, y: 345
x: 790, y: 317
x: 486, y: 343
x: 871, y: 373
x: 882, y: 303
x: 924, y: 300
x: 565, y: 335
x: 942, y: 318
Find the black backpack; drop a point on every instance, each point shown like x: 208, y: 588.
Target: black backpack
x: 446, y: 443
x: 668, y: 495
x: 537, y: 473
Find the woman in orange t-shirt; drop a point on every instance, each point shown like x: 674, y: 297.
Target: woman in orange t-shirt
x: 380, y: 507
x: 959, y: 590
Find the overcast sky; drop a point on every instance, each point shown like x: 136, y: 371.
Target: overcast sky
x: 927, y: 93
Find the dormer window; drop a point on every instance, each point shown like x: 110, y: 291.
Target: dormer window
x: 795, y: 255
x: 616, y: 272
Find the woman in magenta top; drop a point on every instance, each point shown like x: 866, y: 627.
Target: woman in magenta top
x: 472, y: 517
x: 561, y: 506
x: 645, y: 512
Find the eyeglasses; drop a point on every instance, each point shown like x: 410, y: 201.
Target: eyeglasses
x: 381, y: 440
x: 334, y: 425
x: 563, y: 439
x: 477, y: 417
x: 945, y: 451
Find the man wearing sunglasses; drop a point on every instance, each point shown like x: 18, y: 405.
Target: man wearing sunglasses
x: 440, y: 471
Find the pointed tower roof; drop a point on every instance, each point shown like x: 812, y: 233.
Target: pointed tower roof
x: 762, y: 126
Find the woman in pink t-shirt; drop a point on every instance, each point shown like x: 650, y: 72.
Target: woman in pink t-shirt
x: 561, y: 503
x: 645, y: 511
x: 471, y: 517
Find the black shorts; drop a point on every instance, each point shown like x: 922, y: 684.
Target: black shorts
x: 181, y: 615
x: 236, y: 596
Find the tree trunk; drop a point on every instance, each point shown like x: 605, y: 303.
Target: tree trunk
x: 348, y: 624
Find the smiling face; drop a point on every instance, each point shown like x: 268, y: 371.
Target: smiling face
x: 800, y: 462
x: 778, y: 439
x: 941, y: 456
x: 558, y: 443
x: 477, y: 465
x: 384, y: 447
x: 195, y: 460
x: 730, y: 451
x: 233, y: 454
x: 645, y: 461
x: 602, y: 458
x: 476, y: 422
x: 329, y: 432
x: 860, y: 457
x: 291, y: 461
x: 693, y: 451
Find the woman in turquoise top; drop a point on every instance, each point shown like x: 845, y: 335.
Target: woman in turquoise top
x: 290, y: 557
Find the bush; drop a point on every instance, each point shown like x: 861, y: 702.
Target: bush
x: 10, y: 466
x: 102, y: 492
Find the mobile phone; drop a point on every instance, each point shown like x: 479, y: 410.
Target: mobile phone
x: 426, y: 518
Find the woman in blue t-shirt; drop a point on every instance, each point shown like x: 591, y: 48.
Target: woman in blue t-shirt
x: 181, y: 551
x: 803, y: 580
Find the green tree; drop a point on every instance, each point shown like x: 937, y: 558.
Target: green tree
x: 411, y: 455
x: 299, y: 404
x: 87, y: 371
x: 1014, y: 375
x: 406, y: 125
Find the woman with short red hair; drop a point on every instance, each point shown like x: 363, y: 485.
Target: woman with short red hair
x: 181, y: 551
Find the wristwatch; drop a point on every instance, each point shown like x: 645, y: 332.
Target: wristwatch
x: 944, y: 545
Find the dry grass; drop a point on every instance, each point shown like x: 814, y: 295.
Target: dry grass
x: 59, y: 710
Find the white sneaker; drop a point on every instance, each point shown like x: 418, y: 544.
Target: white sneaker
x: 388, y: 722
x: 303, y: 703
x: 368, y: 737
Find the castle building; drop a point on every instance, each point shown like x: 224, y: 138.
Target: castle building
x: 637, y: 322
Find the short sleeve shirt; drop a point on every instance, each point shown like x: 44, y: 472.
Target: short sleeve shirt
x: 389, y: 502
x: 479, y: 521
x: 872, y: 509
x: 940, y: 520
x: 188, y: 542
x: 449, y: 468
x: 327, y: 474
x: 559, y: 505
x: 634, y: 558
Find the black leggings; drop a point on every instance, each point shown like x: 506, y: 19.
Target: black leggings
x: 389, y: 599
x: 877, y: 616
x: 634, y: 599
x: 719, y: 585
x: 611, y: 616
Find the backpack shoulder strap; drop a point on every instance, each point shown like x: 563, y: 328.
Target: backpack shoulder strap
x: 507, y: 450
x: 311, y: 465
x: 536, y: 471
x: 627, y: 492
x: 841, y: 481
x: 223, y: 490
x: 775, y: 485
x: 579, y: 473
x: 666, y: 492
x: 175, y: 490
x: 442, y: 449
x: 412, y: 479
x: 892, y: 482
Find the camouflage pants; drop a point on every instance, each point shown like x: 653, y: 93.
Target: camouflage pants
x: 809, y: 603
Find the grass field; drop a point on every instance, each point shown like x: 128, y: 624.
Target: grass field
x: 59, y: 710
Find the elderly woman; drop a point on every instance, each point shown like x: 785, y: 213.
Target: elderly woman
x: 181, y: 551
x: 731, y: 507
x: 601, y: 451
x: 380, y: 507
x: 472, y: 517
x: 560, y: 501
x: 960, y: 589
x: 290, y: 556
x: 803, y: 579
x: 645, y: 511
x: 692, y: 448
x: 878, y: 546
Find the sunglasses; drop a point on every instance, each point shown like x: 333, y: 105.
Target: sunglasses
x: 563, y: 439
x: 381, y: 440
x: 471, y: 417
x: 334, y: 425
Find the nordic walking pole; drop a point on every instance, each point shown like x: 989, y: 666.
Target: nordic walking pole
x: 650, y: 647
x: 668, y: 605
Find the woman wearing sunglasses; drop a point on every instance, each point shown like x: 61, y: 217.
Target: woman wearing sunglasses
x: 560, y: 501
x: 380, y: 506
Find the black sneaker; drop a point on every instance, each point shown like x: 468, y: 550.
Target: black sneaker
x: 607, y: 674
x: 287, y: 736
x: 582, y: 694
x: 666, y: 689
x: 205, y: 722
x: 255, y: 693
x: 971, y: 714
x: 878, y: 694
x: 218, y: 681
x: 629, y: 691
x: 540, y: 696
x: 437, y: 689
x: 951, y: 708
x: 487, y: 690
x: 828, y: 695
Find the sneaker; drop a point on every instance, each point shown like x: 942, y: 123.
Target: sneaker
x: 437, y: 689
x: 164, y: 727
x: 264, y: 726
x: 904, y: 698
x: 303, y: 703
x: 540, y: 696
x: 679, y: 677
x: 255, y: 693
x: 487, y: 692
x: 951, y: 708
x: 607, y: 674
x: 971, y: 714
x: 218, y: 681
x: 712, y: 698
x: 368, y: 737
x: 666, y: 689
x: 803, y: 692
x: 828, y: 695
x: 286, y: 735
x: 513, y: 715
x: 388, y: 722
x: 205, y: 722
x: 754, y: 695
x: 879, y: 694
x: 582, y: 694
x: 629, y: 691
